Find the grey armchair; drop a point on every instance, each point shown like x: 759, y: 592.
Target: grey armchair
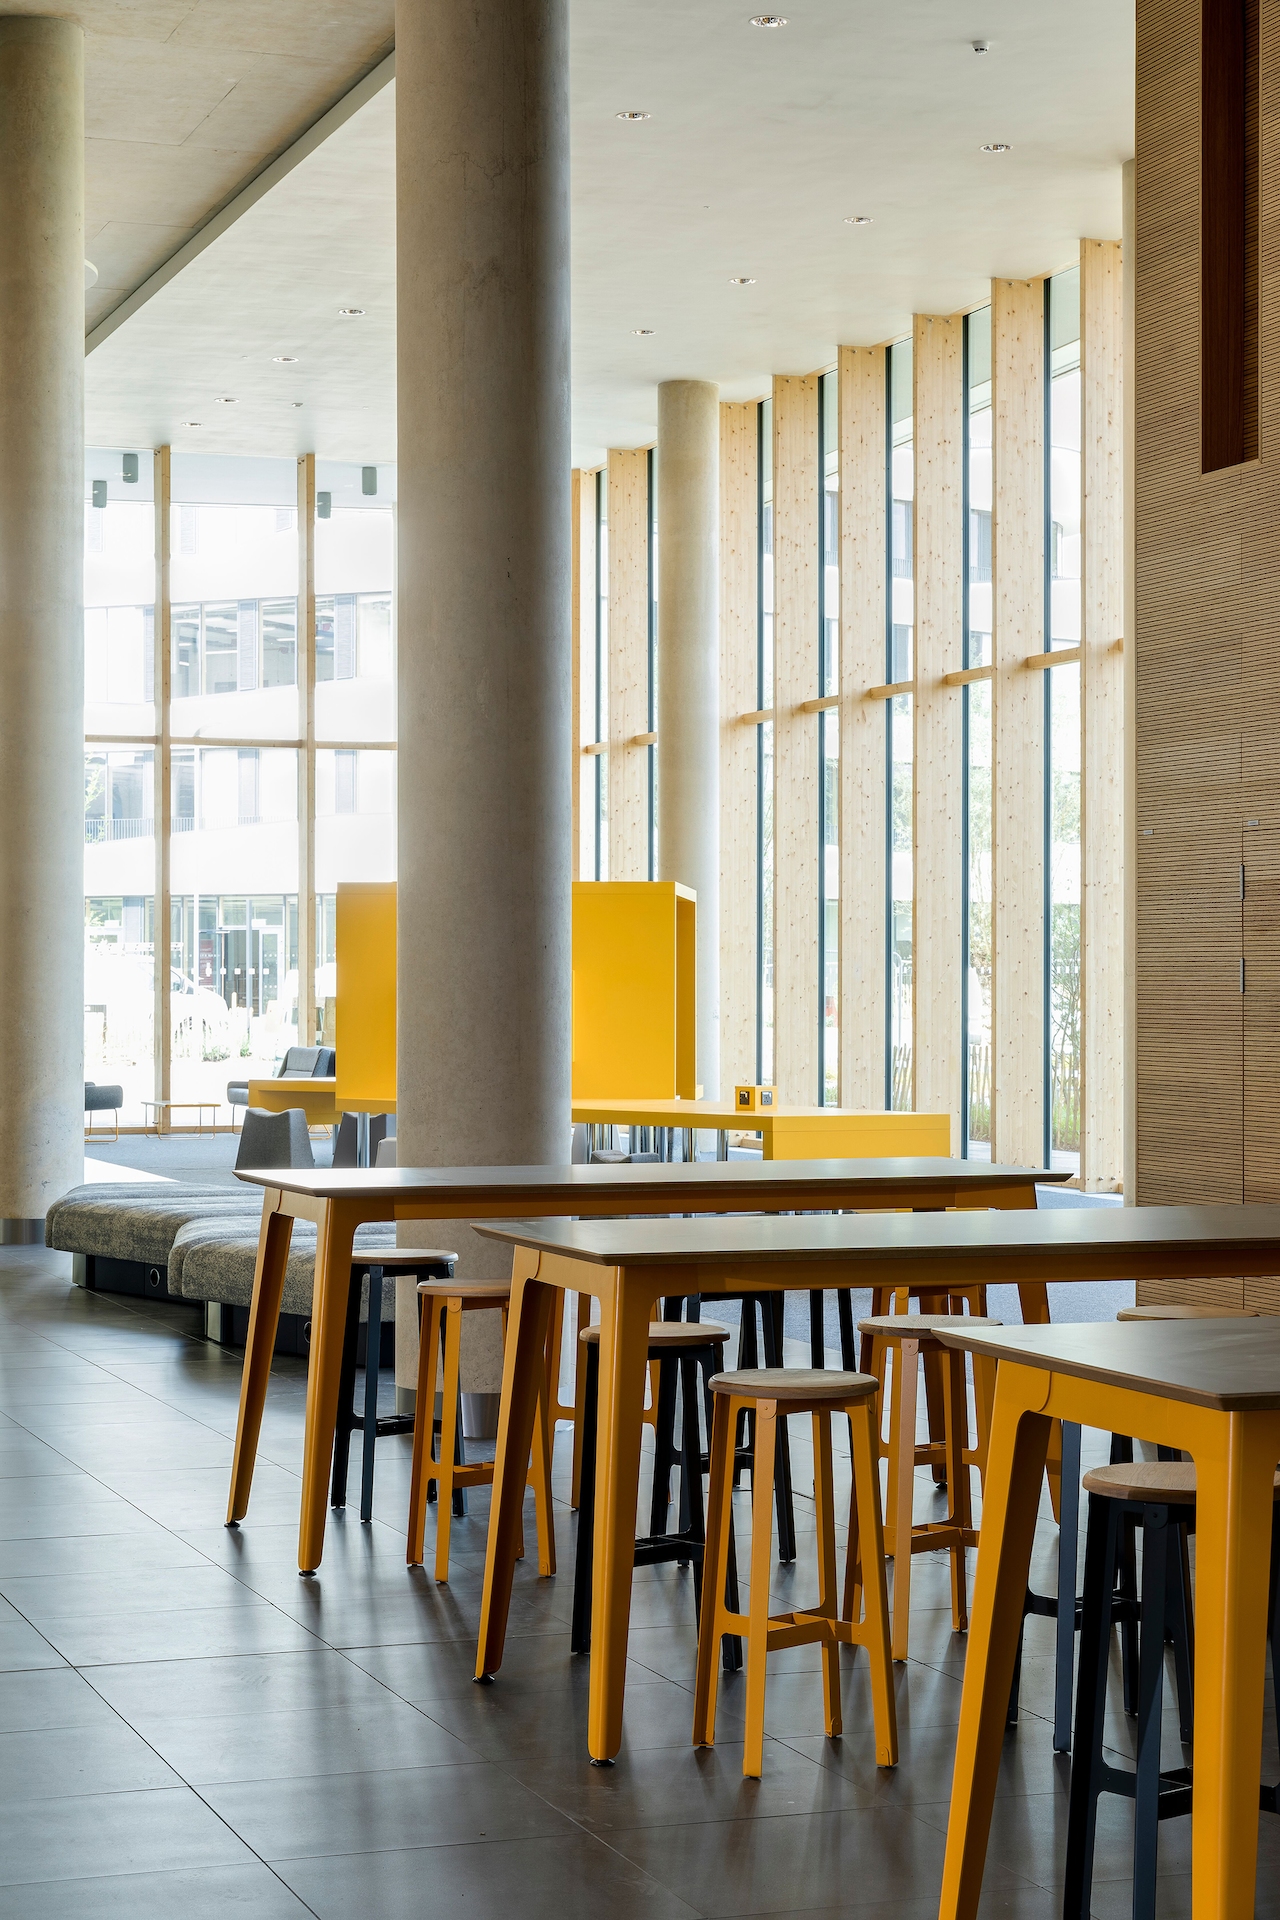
x: 103, y: 1099
x: 299, y: 1063
x: 274, y: 1139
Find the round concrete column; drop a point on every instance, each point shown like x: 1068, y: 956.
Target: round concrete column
x: 689, y: 678
x: 41, y: 619
x: 482, y: 225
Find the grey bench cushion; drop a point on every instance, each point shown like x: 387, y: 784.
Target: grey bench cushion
x: 136, y: 1220
x: 215, y: 1260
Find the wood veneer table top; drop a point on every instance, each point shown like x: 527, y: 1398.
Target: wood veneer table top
x: 686, y: 1182
x: 1102, y: 1243
x: 1232, y: 1366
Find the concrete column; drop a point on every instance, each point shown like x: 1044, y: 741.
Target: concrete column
x: 483, y: 542
x: 689, y: 678
x: 41, y: 619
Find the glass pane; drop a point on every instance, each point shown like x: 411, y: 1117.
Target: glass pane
x: 978, y: 739
x: 355, y: 837
x: 829, y: 725
x: 119, y: 594
x: 355, y: 568
x: 234, y: 915
x: 119, y: 904
x: 235, y: 588
x: 1062, y: 709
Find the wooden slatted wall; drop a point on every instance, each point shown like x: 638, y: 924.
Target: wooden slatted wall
x: 628, y: 680
x: 1017, y: 400
x: 796, y: 775
x: 739, y: 534
x: 863, y: 616
x: 938, y: 409
x: 1102, y: 714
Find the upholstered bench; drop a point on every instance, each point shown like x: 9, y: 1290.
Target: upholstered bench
x: 213, y: 1260
x: 121, y: 1232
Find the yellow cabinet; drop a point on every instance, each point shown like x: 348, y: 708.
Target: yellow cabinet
x: 634, y: 983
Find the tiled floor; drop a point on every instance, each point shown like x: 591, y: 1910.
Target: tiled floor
x: 188, y: 1729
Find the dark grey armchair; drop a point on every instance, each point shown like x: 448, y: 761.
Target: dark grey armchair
x: 103, y: 1099
x: 274, y: 1139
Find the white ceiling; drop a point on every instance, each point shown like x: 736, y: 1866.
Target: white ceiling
x: 759, y: 145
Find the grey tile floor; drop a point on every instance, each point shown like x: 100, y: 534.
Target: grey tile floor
x: 187, y: 1728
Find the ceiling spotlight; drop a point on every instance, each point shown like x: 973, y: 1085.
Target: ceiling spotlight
x: 298, y: 403
x: 768, y: 20
x: 995, y: 146
x: 641, y: 330
x: 193, y: 423
x: 285, y: 359
x: 982, y: 46
x: 351, y: 313
x: 633, y: 113
x: 226, y: 400
x: 858, y: 220
x: 742, y: 280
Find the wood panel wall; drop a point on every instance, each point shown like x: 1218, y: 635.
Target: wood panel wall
x: 1206, y: 676
x: 863, y: 625
x: 583, y: 562
x: 739, y: 593
x: 1102, y: 982
x: 628, y: 679
x: 938, y: 414
x: 1017, y: 402
x: 797, y: 782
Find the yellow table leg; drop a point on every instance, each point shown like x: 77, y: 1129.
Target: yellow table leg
x: 334, y: 1235
x: 424, y: 1417
x: 522, y: 1369
x: 1233, y: 1524
x: 624, y: 1350
x: 264, y: 1317
x: 866, y: 1556
x: 1015, y: 1466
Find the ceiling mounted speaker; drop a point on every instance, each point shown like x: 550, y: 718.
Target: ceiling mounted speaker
x: 129, y: 468
x: 99, y: 493
x: 368, y: 479
x: 324, y: 505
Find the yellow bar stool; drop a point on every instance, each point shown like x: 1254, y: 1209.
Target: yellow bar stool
x: 443, y: 1304
x: 912, y: 1337
x: 771, y: 1394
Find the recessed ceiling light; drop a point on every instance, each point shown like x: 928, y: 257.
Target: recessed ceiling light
x: 632, y: 113
x: 193, y: 423
x: 351, y: 313
x: 995, y: 146
x: 226, y: 400
x: 285, y: 359
x: 858, y: 220
x: 982, y: 46
x: 742, y: 280
x: 298, y: 403
x: 642, y: 329
x: 768, y: 20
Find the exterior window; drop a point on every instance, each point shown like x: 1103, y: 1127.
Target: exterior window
x: 1062, y: 722
x: 900, y: 666
x: 977, y: 741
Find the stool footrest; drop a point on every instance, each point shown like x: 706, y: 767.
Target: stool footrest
x: 1173, y: 1799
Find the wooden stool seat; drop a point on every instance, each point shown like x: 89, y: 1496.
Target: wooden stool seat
x: 444, y: 1301
x: 1155, y: 1482
x: 921, y: 1327
x: 1188, y: 1313
x: 800, y: 1389
x: 770, y: 1393
x: 911, y: 1336
x: 394, y: 1259
x: 671, y: 1335
x: 472, y: 1293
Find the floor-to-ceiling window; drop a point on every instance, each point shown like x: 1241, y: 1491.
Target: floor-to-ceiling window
x: 261, y: 716
x: 976, y: 1109
x: 764, y: 752
x: 829, y: 741
x: 1062, y: 722
x: 900, y: 666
